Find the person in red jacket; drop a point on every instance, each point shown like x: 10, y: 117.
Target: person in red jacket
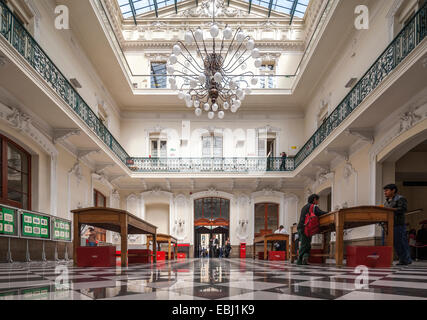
x: 304, y: 241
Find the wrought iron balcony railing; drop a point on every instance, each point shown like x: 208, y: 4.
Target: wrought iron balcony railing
x: 13, y: 31
x: 404, y: 43
x: 210, y: 165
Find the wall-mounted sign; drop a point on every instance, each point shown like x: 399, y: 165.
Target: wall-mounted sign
x: 35, y: 226
x: 61, y: 229
x: 8, y: 221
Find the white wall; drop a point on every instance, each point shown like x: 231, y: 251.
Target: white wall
x: 239, y: 136
x: 158, y: 214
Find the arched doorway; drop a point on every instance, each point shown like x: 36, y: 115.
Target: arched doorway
x: 407, y: 169
x: 211, y: 218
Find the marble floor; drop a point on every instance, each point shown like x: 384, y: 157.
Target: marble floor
x: 212, y: 279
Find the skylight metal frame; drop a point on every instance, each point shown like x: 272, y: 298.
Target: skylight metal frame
x: 133, y: 8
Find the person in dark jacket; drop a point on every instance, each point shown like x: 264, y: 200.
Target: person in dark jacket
x: 283, y: 164
x: 398, y: 202
x: 304, y: 241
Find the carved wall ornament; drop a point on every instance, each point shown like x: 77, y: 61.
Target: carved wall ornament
x: 205, y: 10
x: 77, y: 171
x: 348, y: 170
x: 408, y: 120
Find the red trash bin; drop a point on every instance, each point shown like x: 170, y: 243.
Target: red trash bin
x: 243, y: 250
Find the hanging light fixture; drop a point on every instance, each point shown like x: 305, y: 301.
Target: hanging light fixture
x: 213, y: 80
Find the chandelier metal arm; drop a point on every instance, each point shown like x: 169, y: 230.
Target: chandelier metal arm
x: 231, y: 44
x: 193, y: 72
x: 184, y: 75
x: 195, y: 61
x: 222, y: 42
x: 235, y: 52
x: 229, y: 69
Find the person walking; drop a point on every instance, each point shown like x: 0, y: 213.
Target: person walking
x: 398, y: 202
x: 304, y: 241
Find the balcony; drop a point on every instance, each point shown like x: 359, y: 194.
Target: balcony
x: 210, y: 165
x: 404, y: 44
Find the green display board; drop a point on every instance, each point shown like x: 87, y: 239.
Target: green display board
x: 61, y: 230
x: 35, y: 226
x: 8, y: 221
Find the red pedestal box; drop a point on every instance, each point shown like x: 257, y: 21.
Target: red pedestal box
x: 277, y: 256
x: 139, y: 256
x: 96, y: 256
x: 313, y: 259
x: 372, y: 257
x: 243, y: 251
x: 161, y: 255
x: 181, y: 255
x: 261, y: 255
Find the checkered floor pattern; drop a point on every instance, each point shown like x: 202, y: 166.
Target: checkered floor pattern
x: 213, y: 279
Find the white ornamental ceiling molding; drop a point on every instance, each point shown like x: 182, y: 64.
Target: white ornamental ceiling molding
x: 271, y: 45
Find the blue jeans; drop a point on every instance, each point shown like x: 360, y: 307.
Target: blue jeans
x: 401, y: 244
x: 92, y: 244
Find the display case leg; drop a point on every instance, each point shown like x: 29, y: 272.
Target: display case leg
x: 66, y: 253
x: 56, y: 252
x: 9, y: 253
x: 43, y: 253
x: 27, y: 254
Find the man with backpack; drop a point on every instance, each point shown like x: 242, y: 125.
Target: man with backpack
x: 308, y: 226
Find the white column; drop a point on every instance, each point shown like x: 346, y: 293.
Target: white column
x: 282, y: 211
x: 171, y: 213
x: 252, y: 222
x: 53, y: 185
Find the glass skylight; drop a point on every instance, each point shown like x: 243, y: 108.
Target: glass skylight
x: 295, y: 8
x: 133, y: 8
x: 130, y: 8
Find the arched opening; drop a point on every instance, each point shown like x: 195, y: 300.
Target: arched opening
x: 408, y: 171
x: 211, y: 220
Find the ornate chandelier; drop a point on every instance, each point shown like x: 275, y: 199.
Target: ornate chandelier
x: 214, y: 79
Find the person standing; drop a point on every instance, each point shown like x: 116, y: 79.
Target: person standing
x: 227, y: 247
x: 398, y: 202
x: 91, y: 233
x: 304, y: 241
x: 283, y: 164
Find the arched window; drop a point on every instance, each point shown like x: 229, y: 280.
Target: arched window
x: 15, y: 175
x: 211, y: 210
x: 266, y: 218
